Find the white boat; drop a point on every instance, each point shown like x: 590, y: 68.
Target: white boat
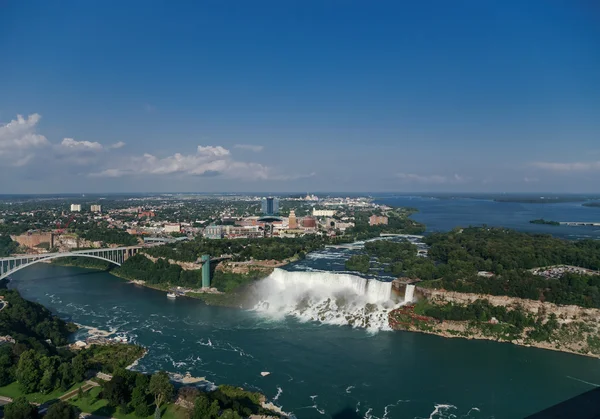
x: 171, y: 295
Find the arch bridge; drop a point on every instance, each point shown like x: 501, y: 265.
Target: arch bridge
x: 114, y: 255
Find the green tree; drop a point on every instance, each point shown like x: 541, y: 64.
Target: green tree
x: 201, y: 407
x: 65, y: 375
x: 20, y: 409
x: 7, y: 368
x: 116, y: 391
x: 161, y: 387
x: 80, y: 394
x: 62, y: 410
x: 139, y: 396
x: 78, y: 368
x: 29, y: 374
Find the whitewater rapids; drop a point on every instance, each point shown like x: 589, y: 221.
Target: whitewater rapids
x: 326, y: 297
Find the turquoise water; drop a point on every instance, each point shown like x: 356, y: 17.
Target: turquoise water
x: 320, y: 371
x: 316, y: 370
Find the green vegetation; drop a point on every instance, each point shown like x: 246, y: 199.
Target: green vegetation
x: 106, y: 236
x: 229, y: 282
x: 82, y: 262
x: 359, y: 263
x: 160, y: 272
x: 510, y: 323
x: 31, y: 324
x: 20, y: 409
x: 547, y: 222
x: 7, y: 246
x: 398, y: 223
x: 398, y: 257
x: 109, y: 358
x: 459, y: 254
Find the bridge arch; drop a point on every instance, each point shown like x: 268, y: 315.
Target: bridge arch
x: 55, y: 256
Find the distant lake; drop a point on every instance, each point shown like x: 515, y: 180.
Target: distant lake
x: 445, y: 214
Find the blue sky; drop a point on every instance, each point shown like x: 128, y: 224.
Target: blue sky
x: 300, y: 96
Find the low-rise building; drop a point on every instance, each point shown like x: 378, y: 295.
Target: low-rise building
x: 96, y: 208
x: 213, y: 232
x: 172, y: 228
x: 322, y: 213
x: 377, y: 220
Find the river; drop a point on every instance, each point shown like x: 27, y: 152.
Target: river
x: 317, y: 370
x: 331, y: 370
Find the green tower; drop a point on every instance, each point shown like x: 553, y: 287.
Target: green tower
x: 205, y: 271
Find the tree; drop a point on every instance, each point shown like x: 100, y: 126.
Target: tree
x: 20, y: 409
x: 29, y: 374
x: 116, y: 391
x: 62, y: 410
x: 201, y: 407
x: 79, y: 368
x: 139, y: 401
x: 161, y: 388
x: 6, y: 365
x: 65, y: 375
x: 80, y: 394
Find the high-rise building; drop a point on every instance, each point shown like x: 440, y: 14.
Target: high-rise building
x: 270, y: 206
x: 76, y: 207
x: 96, y: 208
x: 292, y: 220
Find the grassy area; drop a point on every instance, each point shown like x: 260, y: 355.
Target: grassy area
x: 110, y: 357
x: 13, y: 391
x: 225, y: 300
x: 92, y: 404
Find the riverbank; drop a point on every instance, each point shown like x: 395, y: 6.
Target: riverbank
x: 570, y: 329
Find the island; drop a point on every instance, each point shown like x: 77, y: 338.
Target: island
x: 546, y: 222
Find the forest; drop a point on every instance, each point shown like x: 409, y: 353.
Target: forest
x: 7, y: 245
x: 398, y: 223
x: 31, y: 324
x: 107, y: 236
x: 455, y: 258
x: 159, y: 272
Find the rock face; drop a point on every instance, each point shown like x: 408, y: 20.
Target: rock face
x: 578, y: 331
x: 566, y: 313
x: 186, y: 266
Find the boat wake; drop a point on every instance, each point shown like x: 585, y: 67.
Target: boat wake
x: 326, y: 297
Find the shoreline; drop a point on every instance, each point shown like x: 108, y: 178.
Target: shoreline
x: 448, y: 335
x: 232, y: 300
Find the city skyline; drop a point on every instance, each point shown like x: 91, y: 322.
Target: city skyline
x: 269, y: 97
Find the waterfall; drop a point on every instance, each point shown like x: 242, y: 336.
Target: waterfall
x: 409, y: 294
x: 326, y: 297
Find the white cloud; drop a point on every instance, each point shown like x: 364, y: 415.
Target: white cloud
x: 72, y: 145
x: 207, y: 161
x: 567, y: 167
x: 18, y: 139
x: 251, y: 147
x: 119, y: 144
x: 211, y: 151
x: 430, y: 179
